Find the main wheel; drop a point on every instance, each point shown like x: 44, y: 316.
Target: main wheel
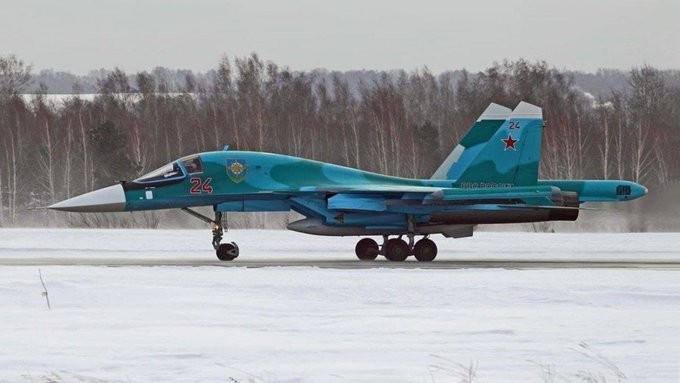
x: 425, y: 250
x: 396, y: 250
x: 227, y: 252
x: 367, y: 249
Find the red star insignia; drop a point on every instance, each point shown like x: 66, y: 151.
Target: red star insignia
x: 509, y: 142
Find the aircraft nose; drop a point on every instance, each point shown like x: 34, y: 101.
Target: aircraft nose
x: 108, y: 199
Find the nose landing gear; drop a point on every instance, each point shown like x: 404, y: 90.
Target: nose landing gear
x: 224, y: 251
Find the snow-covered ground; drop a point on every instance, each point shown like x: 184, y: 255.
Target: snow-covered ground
x: 305, y: 324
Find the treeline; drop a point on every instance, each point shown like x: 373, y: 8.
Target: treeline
x: 599, y: 83
x: 400, y: 123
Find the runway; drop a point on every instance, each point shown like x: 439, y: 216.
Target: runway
x: 351, y: 264
x: 284, y: 249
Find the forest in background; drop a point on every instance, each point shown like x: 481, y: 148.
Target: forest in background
x: 598, y: 84
x: 611, y: 125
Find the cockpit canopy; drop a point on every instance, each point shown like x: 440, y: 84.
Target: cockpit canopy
x: 174, y: 171
x: 192, y: 164
x: 164, y: 173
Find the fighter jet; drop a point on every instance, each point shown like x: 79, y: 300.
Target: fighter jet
x: 490, y: 177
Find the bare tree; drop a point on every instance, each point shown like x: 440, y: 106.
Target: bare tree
x: 14, y: 75
x: 604, y: 142
x: 647, y: 103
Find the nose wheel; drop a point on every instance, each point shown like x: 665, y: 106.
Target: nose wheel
x: 224, y: 251
x: 227, y: 251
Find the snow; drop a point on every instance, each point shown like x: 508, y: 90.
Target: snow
x: 306, y: 324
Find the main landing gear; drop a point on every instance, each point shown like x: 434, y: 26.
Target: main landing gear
x: 396, y: 249
x: 224, y: 251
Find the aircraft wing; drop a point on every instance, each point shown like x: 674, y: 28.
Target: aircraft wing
x: 378, y: 198
x: 373, y: 189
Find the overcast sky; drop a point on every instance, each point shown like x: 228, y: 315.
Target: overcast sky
x: 80, y: 35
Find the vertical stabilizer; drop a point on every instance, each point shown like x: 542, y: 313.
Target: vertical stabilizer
x: 511, y: 156
x: 479, y: 134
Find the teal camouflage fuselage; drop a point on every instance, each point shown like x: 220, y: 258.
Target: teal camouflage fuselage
x: 238, y: 181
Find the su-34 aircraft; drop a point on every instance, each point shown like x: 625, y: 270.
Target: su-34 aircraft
x: 490, y: 177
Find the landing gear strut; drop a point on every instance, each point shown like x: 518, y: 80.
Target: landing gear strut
x: 224, y: 251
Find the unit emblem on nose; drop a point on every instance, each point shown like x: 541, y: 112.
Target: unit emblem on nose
x: 237, y: 170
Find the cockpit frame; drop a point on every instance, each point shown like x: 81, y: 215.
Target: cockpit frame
x: 168, y: 174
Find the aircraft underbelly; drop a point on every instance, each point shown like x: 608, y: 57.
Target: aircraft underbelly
x: 247, y: 205
x: 474, y: 217
x: 317, y: 226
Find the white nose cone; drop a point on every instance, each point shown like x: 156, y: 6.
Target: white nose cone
x: 108, y: 199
